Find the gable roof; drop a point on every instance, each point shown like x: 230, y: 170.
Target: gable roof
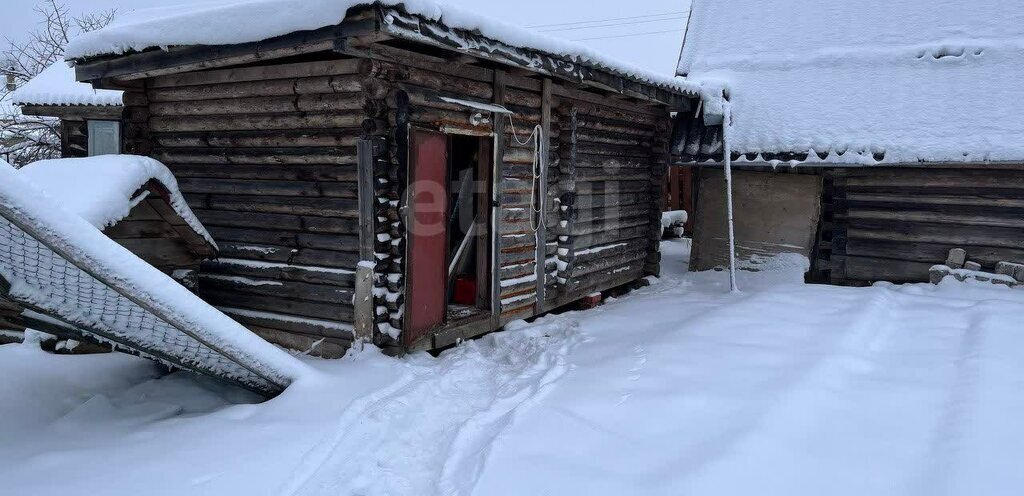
x: 104, y: 189
x: 56, y: 85
x: 252, y: 21
x: 867, y: 82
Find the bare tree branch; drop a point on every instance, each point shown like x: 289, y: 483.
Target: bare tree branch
x: 25, y: 139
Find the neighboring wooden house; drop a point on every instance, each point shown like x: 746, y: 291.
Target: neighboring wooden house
x: 872, y: 151
x: 134, y: 201
x: 378, y: 177
x: 90, y: 119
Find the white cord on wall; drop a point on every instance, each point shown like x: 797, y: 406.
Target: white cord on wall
x: 538, y: 172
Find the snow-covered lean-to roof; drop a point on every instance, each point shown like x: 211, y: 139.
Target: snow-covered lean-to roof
x: 872, y: 81
x: 56, y: 85
x: 102, y: 189
x: 254, y: 20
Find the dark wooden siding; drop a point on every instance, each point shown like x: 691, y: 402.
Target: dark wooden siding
x: 893, y: 224
x: 613, y: 159
x: 266, y: 158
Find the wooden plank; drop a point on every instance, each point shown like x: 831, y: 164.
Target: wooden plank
x: 499, y: 83
x: 367, y: 200
x: 542, y: 193
x: 261, y: 73
x: 280, y: 272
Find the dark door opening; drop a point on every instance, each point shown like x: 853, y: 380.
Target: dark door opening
x: 469, y: 226
x: 449, y: 225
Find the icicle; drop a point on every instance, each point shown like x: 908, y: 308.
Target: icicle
x: 726, y: 125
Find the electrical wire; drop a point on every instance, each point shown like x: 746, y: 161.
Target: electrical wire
x: 537, y: 171
x: 557, y: 24
x: 577, y: 28
x: 627, y: 35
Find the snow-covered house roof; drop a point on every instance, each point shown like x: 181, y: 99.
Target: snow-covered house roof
x: 255, y: 20
x: 103, y: 189
x: 873, y: 81
x: 56, y: 85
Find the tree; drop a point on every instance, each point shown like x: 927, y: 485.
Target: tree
x: 25, y: 139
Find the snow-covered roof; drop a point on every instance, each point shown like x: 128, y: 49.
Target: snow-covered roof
x: 915, y: 80
x: 99, y: 189
x: 56, y: 85
x: 254, y: 20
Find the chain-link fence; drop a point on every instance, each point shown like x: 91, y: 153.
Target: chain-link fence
x: 50, y: 284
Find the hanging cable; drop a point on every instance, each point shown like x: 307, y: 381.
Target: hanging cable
x: 537, y: 170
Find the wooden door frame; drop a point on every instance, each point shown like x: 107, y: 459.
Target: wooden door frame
x: 487, y: 263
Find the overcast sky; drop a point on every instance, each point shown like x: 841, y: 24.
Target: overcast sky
x: 658, y: 23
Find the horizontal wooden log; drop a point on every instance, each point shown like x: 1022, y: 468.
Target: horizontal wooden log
x: 605, y: 263
x: 878, y: 269
x: 260, y: 138
x: 327, y: 311
x: 250, y: 122
x: 164, y: 254
x: 281, y: 222
x: 281, y: 272
x: 339, y: 173
x: 131, y: 228
x: 256, y: 156
x: 331, y: 242
x: 280, y: 289
x: 265, y: 88
x: 933, y: 253
x: 269, y: 188
x: 281, y: 254
x: 261, y: 73
x: 318, y: 346
x: 580, y: 228
x: 322, y: 207
x: 910, y: 216
x: 935, y: 233
x: 335, y: 102
x: 617, y: 235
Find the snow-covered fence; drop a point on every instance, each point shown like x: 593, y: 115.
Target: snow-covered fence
x: 72, y: 276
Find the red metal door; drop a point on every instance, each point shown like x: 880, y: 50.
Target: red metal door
x: 427, y: 218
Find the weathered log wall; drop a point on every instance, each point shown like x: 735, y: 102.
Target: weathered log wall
x: 892, y: 224
x: 265, y: 156
x: 610, y: 189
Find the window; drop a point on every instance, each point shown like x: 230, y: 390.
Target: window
x: 104, y: 138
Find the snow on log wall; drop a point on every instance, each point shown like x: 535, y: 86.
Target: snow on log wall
x: 266, y: 157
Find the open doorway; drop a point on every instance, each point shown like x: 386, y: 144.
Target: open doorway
x: 469, y: 231
x: 449, y: 248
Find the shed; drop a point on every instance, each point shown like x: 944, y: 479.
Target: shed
x: 410, y: 175
x: 134, y: 201
x: 90, y: 119
x: 871, y: 146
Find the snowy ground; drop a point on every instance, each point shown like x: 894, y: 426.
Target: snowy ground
x: 680, y: 388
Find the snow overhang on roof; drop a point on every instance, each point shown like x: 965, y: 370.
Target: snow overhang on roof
x: 104, y: 189
x: 864, y: 83
x: 269, y: 21
x: 56, y: 85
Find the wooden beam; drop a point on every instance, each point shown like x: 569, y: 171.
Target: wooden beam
x: 400, y: 24
x: 75, y: 112
x: 499, y: 163
x: 545, y: 157
x: 153, y: 63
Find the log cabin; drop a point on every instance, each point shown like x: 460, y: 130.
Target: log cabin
x: 873, y: 152
x: 90, y: 119
x: 408, y: 176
